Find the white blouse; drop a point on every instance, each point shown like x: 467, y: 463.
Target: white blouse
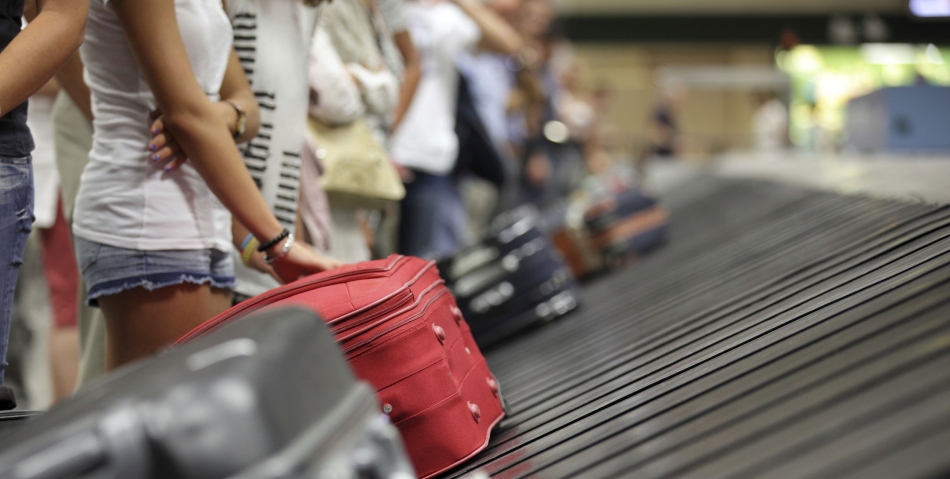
x: 124, y: 199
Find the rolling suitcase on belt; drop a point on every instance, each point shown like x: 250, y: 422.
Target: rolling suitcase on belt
x: 509, y: 232
x: 401, y: 330
x: 604, y: 214
x: 606, y: 233
x: 511, y: 280
x: 266, y: 397
x: 627, y: 224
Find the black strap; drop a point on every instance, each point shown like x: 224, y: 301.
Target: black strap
x: 268, y: 245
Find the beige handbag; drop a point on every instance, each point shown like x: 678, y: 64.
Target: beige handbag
x: 356, y: 169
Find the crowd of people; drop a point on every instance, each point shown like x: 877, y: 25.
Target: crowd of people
x: 187, y: 144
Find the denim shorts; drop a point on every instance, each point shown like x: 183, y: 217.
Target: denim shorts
x: 110, y: 270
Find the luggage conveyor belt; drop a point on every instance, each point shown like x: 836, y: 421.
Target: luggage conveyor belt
x: 782, y: 332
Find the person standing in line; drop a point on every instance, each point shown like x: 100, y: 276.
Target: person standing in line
x: 72, y: 126
x: 28, y: 60
x: 491, y: 79
x: 59, y: 265
x: 432, y: 216
x: 273, y: 39
x: 355, y: 71
x: 393, y: 13
x: 153, y: 243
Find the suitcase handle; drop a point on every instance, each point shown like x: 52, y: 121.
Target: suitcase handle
x: 118, y: 447
x: 73, y: 458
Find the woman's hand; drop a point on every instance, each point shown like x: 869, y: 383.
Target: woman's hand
x: 259, y: 263
x: 301, y: 261
x: 164, y: 148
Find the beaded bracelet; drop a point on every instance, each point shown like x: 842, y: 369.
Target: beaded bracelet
x: 270, y: 244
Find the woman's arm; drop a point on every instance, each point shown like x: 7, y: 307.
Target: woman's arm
x: 151, y: 29
x: 70, y: 77
x: 410, y: 78
x: 55, y: 31
x: 337, y: 95
x: 497, y: 35
x: 236, y: 89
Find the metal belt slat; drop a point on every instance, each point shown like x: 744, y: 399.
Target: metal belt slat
x: 782, y: 332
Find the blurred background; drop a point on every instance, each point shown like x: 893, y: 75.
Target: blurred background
x: 802, y: 77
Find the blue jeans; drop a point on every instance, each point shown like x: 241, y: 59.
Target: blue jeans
x: 432, y: 217
x: 16, y: 222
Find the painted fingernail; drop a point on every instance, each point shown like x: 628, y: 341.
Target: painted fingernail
x: 155, y: 131
x: 152, y: 147
x: 168, y: 168
x: 156, y: 157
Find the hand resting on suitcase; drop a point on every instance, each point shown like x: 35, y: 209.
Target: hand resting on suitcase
x: 301, y: 261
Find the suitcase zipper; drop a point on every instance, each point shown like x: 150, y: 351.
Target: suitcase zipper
x: 401, y: 298
x: 405, y: 287
x: 280, y: 293
x: 422, y: 295
x: 404, y: 322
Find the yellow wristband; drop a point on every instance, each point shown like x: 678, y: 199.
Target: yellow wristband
x: 249, y: 251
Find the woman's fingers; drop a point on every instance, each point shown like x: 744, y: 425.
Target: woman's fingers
x: 175, y: 164
x: 302, y: 261
x: 158, y: 142
x: 165, y: 153
x: 163, y: 149
x: 158, y: 125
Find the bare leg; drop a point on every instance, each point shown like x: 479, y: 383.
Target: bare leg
x: 64, y: 358
x: 140, y: 323
x: 62, y: 276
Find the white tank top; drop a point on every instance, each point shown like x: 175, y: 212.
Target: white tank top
x: 125, y: 200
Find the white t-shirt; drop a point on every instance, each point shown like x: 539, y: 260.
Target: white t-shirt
x: 45, y: 174
x: 426, y: 139
x: 125, y: 200
x: 272, y: 39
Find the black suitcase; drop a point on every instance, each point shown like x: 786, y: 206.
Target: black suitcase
x: 508, y: 232
x: 605, y: 213
x: 267, y: 396
x: 497, y: 314
x: 512, y: 280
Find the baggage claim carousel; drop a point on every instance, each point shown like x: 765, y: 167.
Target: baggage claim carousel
x: 782, y: 332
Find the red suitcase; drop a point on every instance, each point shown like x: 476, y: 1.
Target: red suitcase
x: 402, y: 332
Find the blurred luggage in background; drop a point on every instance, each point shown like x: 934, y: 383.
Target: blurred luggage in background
x: 267, y: 396
x: 512, y: 279
x: 401, y: 330
x: 608, y: 225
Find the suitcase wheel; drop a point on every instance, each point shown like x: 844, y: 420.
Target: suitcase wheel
x: 457, y: 313
x: 493, y: 385
x: 476, y: 411
x: 439, y: 333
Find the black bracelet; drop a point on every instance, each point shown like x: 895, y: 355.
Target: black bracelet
x: 266, y: 246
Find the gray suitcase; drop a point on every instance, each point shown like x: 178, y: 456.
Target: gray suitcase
x: 266, y: 396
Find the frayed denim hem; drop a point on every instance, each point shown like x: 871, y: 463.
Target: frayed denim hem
x: 155, y: 281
